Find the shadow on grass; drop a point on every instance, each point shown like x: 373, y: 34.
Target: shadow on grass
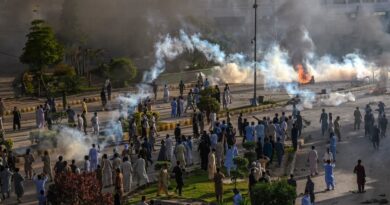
x: 197, y: 187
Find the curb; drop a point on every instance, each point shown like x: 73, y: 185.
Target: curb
x: 90, y: 99
x: 59, y: 104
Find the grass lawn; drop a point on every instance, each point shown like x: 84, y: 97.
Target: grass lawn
x: 196, y: 186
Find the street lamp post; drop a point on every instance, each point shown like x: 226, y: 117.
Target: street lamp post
x: 254, y: 102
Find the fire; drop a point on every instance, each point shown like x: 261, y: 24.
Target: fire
x: 303, y: 77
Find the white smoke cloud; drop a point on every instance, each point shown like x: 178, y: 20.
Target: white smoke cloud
x: 72, y: 143
x: 336, y: 99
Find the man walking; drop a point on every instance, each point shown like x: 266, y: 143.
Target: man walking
x: 16, y: 118
x: 178, y: 171
x: 324, y: 122
x: 313, y: 160
x: 358, y: 119
x: 279, y: 149
x: 375, y: 137
x: 310, y: 189
x: 329, y: 177
x: 218, y: 184
x: 95, y: 124
x: 292, y: 182
x: 332, y: 146
x: 360, y: 176
x: 383, y: 125
x: 337, y: 128
x: 299, y: 123
x: 93, y: 157
x: 294, y: 137
x: 181, y: 87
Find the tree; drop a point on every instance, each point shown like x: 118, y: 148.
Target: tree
x: 207, y: 102
x: 241, y: 167
x: 274, y: 193
x: 250, y: 153
x: 41, y: 50
x: 120, y: 70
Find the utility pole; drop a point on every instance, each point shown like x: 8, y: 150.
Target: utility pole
x: 254, y: 102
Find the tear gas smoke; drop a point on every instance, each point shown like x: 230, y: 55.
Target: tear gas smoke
x: 336, y: 99
x: 72, y: 143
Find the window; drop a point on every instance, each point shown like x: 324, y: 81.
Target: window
x: 368, y: 1
x: 339, y: 1
x: 381, y: 1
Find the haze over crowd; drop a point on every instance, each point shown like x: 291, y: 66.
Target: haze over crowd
x: 130, y: 28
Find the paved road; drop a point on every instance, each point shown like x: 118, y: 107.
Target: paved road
x: 240, y: 94
x: 354, y: 146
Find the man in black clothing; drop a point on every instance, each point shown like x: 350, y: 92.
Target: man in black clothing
x: 310, y: 189
x: 17, y: 118
x: 375, y: 137
x: 178, y: 177
x: 181, y: 87
x: 294, y: 137
x: 177, y: 132
x: 292, y: 182
x: 59, y: 166
x: 240, y: 124
x: 383, y: 125
x: 204, y: 150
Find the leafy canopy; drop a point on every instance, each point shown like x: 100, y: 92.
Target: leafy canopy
x: 42, y: 48
x: 275, y: 193
x: 207, y: 102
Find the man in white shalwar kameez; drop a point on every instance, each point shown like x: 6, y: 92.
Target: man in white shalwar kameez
x: 166, y: 93
x: 313, y: 161
x: 169, y: 146
x: 95, y: 124
x: 41, y: 117
x: 212, y: 167
x: 181, y: 154
x: 140, y: 171
x: 127, y: 171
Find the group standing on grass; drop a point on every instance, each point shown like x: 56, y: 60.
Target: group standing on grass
x: 217, y: 147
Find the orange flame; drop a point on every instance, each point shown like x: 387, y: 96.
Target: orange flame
x: 303, y: 77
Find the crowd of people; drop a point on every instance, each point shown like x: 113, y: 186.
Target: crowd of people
x: 217, y: 141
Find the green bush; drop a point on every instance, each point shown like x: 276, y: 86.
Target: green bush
x: 249, y: 145
x: 137, y: 117
x: 274, y: 193
x: 250, y: 156
x: 240, y: 162
x: 208, y: 104
x: 121, y: 71
x: 9, y: 144
x: 28, y: 83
